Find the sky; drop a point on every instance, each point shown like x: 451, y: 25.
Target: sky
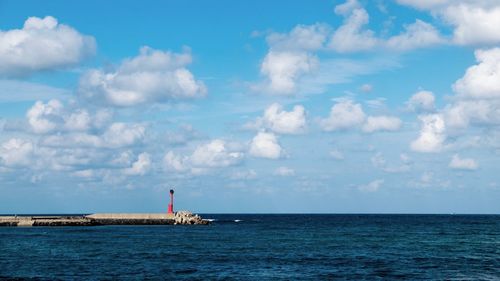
x: 384, y: 106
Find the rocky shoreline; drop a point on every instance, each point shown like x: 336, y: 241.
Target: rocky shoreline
x: 178, y: 218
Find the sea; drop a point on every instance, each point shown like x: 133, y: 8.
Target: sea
x: 261, y: 247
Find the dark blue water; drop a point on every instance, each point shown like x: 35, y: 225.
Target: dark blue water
x: 262, y: 247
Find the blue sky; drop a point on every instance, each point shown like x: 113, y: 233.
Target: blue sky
x: 250, y: 106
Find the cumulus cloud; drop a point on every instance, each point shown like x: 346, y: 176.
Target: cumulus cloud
x: 214, y: 154
x: 292, y: 59
x: 477, y: 99
x: 381, y: 123
x: 474, y: 25
x: 475, y: 22
x: 54, y: 116
x: 347, y: 7
x: 373, y: 186
x: 278, y: 120
x: 43, y: 117
x: 139, y: 167
x: 301, y: 37
x: 175, y: 162
x: 284, y: 172
x: 483, y: 79
x: 416, y: 35
x: 16, y: 152
x: 152, y: 76
x: 344, y: 114
x: 463, y: 163
x: 123, y: 134
x: 352, y: 36
x: 265, y: 145
x: 117, y: 135
x: 284, y: 68
x: 432, y: 134
x: 422, y: 101
x: 42, y: 44
x: 463, y: 113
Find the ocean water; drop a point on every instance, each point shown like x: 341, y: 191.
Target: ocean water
x: 262, y: 247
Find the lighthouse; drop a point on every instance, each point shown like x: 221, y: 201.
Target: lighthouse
x: 171, y: 205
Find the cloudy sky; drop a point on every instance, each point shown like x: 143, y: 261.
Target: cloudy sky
x: 250, y: 106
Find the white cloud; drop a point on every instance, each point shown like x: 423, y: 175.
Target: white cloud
x: 336, y: 154
x: 405, y: 158
x: 284, y: 172
x: 422, y: 101
x: 474, y: 25
x: 42, y: 44
x: 351, y: 36
x: 301, y: 37
x: 139, y: 167
x: 381, y: 123
x: 284, y: 68
x: 152, y: 76
x: 463, y: 163
x: 292, y: 63
x: 123, y: 134
x: 344, y: 114
x: 483, y: 79
x: 282, y: 122
x: 290, y: 57
x: 44, y: 118
x: 80, y: 120
x: 378, y: 161
x: 265, y: 145
x: 214, y: 154
x: 117, y: 135
x: 175, y: 162
x: 346, y: 8
x: 417, y: 35
x: 16, y: 152
x: 477, y: 99
x: 432, y: 134
x: 86, y: 174
x: 123, y: 159
x: 373, y: 186
x: 462, y: 113
x: 54, y: 116
x: 244, y: 175
x: 366, y: 88
x: 475, y: 22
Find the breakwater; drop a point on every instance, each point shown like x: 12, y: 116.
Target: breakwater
x: 178, y: 218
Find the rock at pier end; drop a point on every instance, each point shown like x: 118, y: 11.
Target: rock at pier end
x: 185, y: 217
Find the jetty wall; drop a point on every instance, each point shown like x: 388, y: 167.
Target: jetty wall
x: 182, y: 217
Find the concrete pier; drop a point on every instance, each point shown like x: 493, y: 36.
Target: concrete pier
x: 182, y: 217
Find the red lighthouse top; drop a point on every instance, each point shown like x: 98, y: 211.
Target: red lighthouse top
x: 171, y: 204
